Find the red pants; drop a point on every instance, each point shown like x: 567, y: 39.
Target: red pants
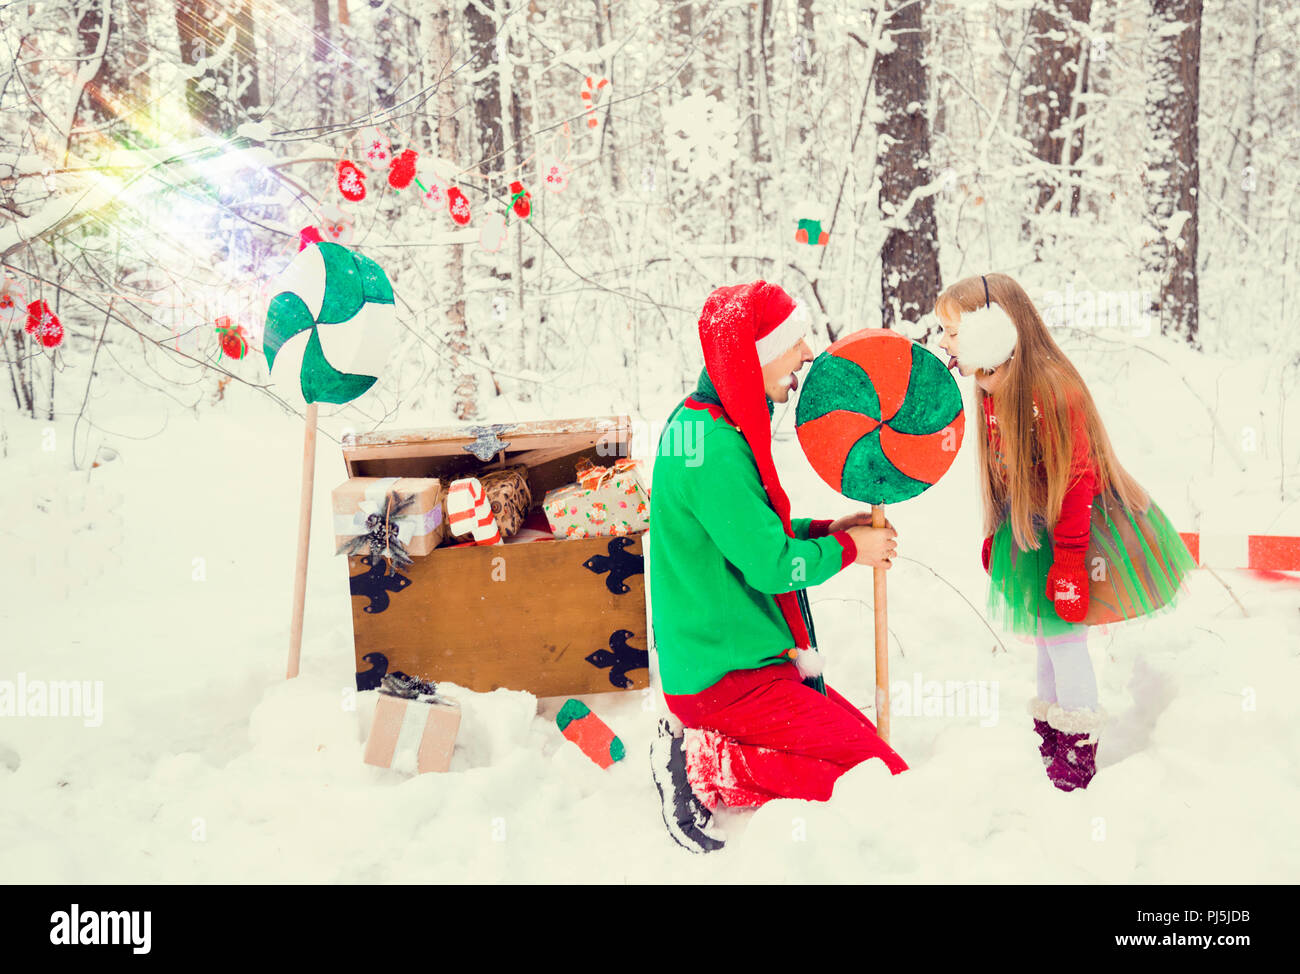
x: 761, y: 734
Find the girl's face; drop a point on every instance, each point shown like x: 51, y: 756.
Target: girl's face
x: 948, y: 342
x: 988, y: 381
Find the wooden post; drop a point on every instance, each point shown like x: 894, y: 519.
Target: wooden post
x: 881, y: 599
x: 304, y: 541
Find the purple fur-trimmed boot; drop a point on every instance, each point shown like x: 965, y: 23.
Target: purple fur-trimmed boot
x: 1075, y: 760
x: 1047, y: 747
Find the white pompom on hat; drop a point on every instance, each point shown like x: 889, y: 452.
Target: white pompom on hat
x: 986, y: 337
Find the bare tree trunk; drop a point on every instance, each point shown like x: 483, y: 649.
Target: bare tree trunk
x: 909, y: 258
x: 248, y: 94
x: 1049, y: 104
x: 1173, y: 97
x: 805, y: 48
x: 680, y: 28
x: 343, y: 60
x: 513, y: 85
x: 1248, y: 146
x: 227, y: 89
x: 385, y: 44
x: 604, y: 28
x: 322, y: 61
x: 116, y: 34
x: 481, y: 27
x: 464, y: 396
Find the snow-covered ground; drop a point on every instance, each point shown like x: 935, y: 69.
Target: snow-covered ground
x: 164, y: 575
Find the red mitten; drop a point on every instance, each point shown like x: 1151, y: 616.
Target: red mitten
x: 1067, y: 585
x: 986, y: 551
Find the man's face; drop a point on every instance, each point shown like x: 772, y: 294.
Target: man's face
x: 779, y: 375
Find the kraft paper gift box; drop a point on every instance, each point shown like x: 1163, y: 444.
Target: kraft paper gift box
x: 605, y: 502
x: 361, y: 503
x: 415, y: 734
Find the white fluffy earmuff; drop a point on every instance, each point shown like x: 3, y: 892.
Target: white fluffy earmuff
x: 986, y: 338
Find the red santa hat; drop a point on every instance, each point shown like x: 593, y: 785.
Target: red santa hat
x: 743, y: 328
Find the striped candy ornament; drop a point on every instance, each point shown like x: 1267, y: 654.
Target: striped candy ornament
x: 589, y: 89
x: 470, y: 512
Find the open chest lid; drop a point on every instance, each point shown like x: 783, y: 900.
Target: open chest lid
x: 550, y: 449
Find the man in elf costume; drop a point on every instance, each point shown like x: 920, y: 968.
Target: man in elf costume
x: 728, y: 567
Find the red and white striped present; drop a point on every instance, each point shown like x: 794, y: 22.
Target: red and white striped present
x: 1260, y: 552
x: 470, y: 512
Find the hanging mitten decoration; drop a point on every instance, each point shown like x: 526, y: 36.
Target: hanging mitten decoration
x: 494, y: 233
x: 520, y: 200
x: 231, y: 337
x: 402, y: 172
x: 433, y: 191
x: 458, y: 206
x: 308, y: 236
x: 10, y: 293
x: 810, y: 232
x: 44, y: 325
x: 352, y: 182
x: 335, y: 225
x: 378, y: 154
x: 555, y: 175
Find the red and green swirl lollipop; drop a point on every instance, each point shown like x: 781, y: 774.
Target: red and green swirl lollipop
x: 879, y: 417
x: 880, y: 420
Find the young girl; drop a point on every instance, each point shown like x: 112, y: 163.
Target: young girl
x: 1072, y: 540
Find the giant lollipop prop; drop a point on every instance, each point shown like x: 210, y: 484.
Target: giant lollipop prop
x: 329, y: 329
x: 880, y: 420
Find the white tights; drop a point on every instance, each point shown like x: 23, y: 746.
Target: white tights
x: 1065, y: 671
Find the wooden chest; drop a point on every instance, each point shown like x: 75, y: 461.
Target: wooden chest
x: 550, y: 617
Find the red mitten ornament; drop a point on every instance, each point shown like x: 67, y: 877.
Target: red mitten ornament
x: 402, y: 172
x: 306, y: 237
x: 352, y: 182
x: 1067, y: 585
x: 44, y: 325
x: 986, y: 552
x: 231, y: 338
x: 457, y: 206
x: 520, y: 200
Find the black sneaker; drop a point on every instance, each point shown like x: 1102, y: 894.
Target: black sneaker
x: 686, y: 819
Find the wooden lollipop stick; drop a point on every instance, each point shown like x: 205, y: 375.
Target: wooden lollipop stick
x: 881, y: 599
x: 304, y: 540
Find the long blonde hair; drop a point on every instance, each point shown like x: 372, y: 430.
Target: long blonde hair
x: 1037, y: 373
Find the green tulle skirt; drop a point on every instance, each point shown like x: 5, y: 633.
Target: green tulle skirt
x: 1136, y: 563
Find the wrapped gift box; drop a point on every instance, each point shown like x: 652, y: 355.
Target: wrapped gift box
x: 605, y: 502
x: 360, y: 505
x: 415, y: 733
x: 507, y: 491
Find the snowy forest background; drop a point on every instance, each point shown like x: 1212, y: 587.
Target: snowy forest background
x: 1133, y: 163
x: 157, y: 161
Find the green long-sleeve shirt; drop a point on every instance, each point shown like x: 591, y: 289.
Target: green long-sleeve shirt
x: 718, y: 554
